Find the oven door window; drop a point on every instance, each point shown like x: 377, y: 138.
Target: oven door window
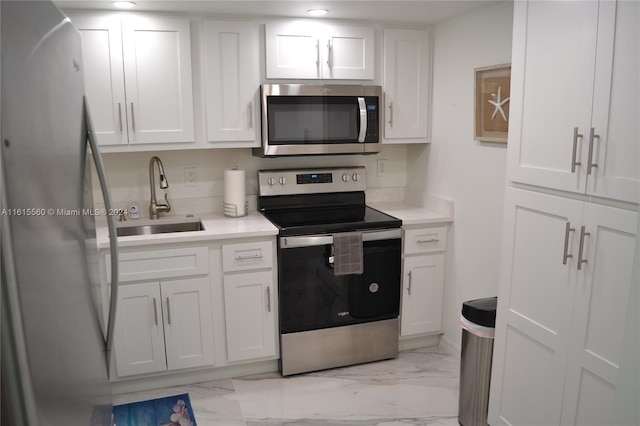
x: 301, y: 120
x: 313, y: 297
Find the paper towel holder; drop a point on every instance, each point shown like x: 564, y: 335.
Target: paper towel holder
x: 231, y: 210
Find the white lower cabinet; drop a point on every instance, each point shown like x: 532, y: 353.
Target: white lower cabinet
x: 164, y: 317
x: 563, y: 301
x: 163, y: 326
x: 249, y: 310
x: 182, y: 307
x: 250, y: 300
x: 422, y: 280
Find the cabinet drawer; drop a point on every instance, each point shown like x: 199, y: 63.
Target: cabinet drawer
x: 425, y: 240
x: 247, y: 256
x: 157, y: 264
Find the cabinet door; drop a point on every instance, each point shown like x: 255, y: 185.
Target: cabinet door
x: 600, y: 316
x: 422, y: 288
x: 616, y: 106
x: 232, y: 79
x: 407, y: 70
x: 138, y: 334
x: 104, y: 76
x: 188, y: 322
x: 348, y: 53
x: 292, y: 50
x: 554, y: 52
x: 157, y: 61
x: 535, y: 305
x: 249, y: 303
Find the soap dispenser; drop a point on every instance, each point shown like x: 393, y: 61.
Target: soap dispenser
x: 134, y: 211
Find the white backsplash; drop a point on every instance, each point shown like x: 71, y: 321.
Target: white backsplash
x: 128, y: 175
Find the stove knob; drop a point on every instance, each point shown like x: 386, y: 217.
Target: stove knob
x: 271, y: 181
x: 282, y: 180
x: 355, y: 177
x: 345, y: 177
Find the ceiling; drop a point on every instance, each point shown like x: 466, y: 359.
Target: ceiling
x: 385, y: 11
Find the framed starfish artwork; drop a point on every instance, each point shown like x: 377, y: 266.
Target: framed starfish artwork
x: 492, y: 96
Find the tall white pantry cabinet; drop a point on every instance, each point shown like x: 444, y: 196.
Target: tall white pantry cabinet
x: 571, y: 218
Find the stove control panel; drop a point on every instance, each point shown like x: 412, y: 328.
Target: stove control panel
x: 311, y: 181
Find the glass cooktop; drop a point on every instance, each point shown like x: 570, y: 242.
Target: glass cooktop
x: 330, y: 220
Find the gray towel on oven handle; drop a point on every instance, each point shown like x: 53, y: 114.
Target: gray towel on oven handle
x: 347, y: 252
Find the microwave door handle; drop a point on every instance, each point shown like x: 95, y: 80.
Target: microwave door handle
x: 363, y: 119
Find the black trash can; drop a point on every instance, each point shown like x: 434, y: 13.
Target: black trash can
x: 478, y: 322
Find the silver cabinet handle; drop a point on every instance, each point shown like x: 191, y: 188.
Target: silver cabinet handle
x: 250, y: 115
x: 155, y: 311
x: 409, y: 285
x: 133, y: 119
x: 168, y: 312
x: 268, y: 299
x: 575, y: 163
x: 432, y: 240
x: 329, y: 54
x: 120, y: 116
x: 566, y: 254
x: 390, y: 114
x: 318, y: 54
x: 583, y: 233
x: 246, y: 258
x: 590, y: 163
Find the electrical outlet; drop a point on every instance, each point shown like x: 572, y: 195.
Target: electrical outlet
x: 382, y: 167
x: 190, y: 176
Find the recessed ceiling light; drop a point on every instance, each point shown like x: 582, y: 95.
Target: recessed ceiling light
x: 123, y: 4
x: 317, y: 12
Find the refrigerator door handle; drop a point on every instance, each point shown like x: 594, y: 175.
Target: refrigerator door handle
x: 111, y: 223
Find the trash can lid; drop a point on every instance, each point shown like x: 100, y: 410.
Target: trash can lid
x: 481, y: 311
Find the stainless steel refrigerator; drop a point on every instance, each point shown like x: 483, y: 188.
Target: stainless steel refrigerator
x: 53, y: 350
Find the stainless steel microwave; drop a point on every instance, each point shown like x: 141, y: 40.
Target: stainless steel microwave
x: 300, y: 119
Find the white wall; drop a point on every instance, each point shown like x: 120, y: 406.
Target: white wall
x: 455, y: 166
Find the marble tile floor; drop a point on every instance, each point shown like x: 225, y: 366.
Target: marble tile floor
x: 420, y: 387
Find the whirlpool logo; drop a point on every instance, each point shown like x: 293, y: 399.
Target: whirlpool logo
x: 343, y: 314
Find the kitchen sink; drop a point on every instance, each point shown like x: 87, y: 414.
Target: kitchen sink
x: 158, y: 228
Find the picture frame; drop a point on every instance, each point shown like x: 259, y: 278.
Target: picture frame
x: 492, y: 99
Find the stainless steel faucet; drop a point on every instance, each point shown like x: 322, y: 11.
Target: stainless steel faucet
x: 154, y: 207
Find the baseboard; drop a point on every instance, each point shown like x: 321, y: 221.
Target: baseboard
x: 450, y: 346
x: 180, y: 378
x: 408, y: 343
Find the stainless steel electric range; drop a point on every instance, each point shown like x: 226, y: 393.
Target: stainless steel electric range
x: 339, y: 268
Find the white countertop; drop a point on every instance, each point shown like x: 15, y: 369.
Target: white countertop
x: 216, y: 227
x: 410, y: 214
x: 219, y: 227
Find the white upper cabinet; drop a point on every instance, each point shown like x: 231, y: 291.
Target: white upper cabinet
x: 615, y: 166
x: 138, y: 78
x: 574, y: 90
x: 407, y: 70
x: 232, y: 75
x: 104, y: 76
x: 311, y: 50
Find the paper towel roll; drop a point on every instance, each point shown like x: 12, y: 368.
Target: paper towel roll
x: 234, y: 193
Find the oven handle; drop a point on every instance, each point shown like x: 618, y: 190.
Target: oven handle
x: 324, y: 239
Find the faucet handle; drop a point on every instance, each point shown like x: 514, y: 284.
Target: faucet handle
x: 166, y: 198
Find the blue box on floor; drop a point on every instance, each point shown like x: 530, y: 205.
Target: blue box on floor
x: 170, y: 411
